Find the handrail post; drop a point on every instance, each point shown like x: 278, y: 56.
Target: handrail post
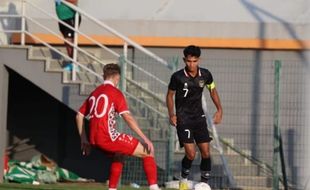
x: 125, y: 50
x: 276, y: 128
x: 23, y: 23
x: 4, y: 85
x: 175, y: 64
x: 122, y: 62
x: 125, y: 57
x: 75, y: 42
x: 171, y: 149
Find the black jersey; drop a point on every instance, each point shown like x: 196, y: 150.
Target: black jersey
x: 189, y: 93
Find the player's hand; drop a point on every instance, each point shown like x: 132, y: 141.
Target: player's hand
x: 149, y: 146
x: 217, y: 118
x: 85, y: 147
x: 173, y: 120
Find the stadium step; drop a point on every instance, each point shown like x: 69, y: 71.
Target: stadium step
x: 54, y: 63
x: 257, y: 181
x: 254, y: 188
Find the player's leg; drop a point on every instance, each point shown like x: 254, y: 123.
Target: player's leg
x: 149, y: 165
x: 190, y: 153
x: 69, y: 48
x: 123, y: 145
x: 128, y: 145
x: 186, y: 140
x: 205, y: 165
x: 202, y: 138
x: 68, y: 36
x: 116, y: 171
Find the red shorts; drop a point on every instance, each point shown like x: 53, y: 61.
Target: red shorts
x: 124, y: 144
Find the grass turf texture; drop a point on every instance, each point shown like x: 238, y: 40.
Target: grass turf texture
x: 61, y: 186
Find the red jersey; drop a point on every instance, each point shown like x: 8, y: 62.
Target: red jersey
x: 102, y: 107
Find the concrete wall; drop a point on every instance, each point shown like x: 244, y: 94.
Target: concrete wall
x: 183, y: 10
x: 200, y: 18
x: 307, y: 133
x: 4, y: 76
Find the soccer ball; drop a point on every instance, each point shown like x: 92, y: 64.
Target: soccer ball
x: 202, y: 186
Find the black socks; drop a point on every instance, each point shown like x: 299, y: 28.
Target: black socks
x: 205, y: 168
x: 186, y: 166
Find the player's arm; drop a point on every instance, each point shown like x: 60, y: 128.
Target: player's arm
x: 132, y: 123
x: 85, y: 146
x: 170, y: 107
x: 217, y: 118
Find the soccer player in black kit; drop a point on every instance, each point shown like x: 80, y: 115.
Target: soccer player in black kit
x: 189, y: 119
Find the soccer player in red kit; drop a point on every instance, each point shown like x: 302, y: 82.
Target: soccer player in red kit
x: 102, y: 107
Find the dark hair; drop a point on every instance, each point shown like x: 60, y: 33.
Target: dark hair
x: 110, y: 70
x: 192, y: 50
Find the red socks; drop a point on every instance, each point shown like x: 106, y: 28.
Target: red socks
x: 149, y: 166
x: 150, y: 169
x: 115, y: 173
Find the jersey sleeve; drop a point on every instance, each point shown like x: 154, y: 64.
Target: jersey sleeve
x: 209, y: 81
x: 84, y: 109
x: 173, y: 83
x: 120, y: 103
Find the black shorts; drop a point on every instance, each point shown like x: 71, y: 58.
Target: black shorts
x: 67, y: 32
x: 196, y: 131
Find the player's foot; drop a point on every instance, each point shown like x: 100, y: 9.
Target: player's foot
x: 202, y: 185
x: 183, y: 184
x: 154, y: 187
x: 69, y: 67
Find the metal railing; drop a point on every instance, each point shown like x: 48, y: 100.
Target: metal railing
x: 127, y: 42
x: 24, y: 33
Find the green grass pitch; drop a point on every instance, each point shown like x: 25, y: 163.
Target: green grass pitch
x: 72, y: 186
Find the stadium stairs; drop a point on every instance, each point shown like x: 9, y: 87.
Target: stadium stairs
x: 39, y: 66
x: 44, y: 69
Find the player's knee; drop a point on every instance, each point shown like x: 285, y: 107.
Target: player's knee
x: 191, y: 155
x: 205, y: 154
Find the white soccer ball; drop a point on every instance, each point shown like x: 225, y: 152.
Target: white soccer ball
x: 202, y: 186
